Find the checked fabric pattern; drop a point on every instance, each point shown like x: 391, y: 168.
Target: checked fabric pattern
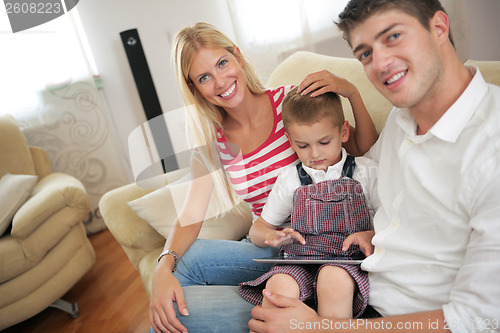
x: 325, y: 214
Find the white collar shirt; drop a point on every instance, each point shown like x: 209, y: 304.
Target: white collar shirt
x: 437, y: 231
x: 279, y: 204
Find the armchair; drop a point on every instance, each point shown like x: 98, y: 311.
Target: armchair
x: 47, y: 250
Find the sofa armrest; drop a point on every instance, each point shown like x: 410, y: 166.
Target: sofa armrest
x: 51, y: 194
x: 126, y: 226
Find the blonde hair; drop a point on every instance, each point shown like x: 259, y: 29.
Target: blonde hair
x: 205, y: 118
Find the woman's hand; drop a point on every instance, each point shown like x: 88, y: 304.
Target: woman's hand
x: 363, y: 239
x: 284, y: 236
x: 319, y: 83
x: 364, y: 136
x: 166, y: 291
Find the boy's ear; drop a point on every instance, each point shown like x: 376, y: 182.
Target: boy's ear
x: 289, y: 140
x: 344, y: 131
x: 440, y: 24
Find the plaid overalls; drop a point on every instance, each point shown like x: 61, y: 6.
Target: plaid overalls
x: 325, y: 214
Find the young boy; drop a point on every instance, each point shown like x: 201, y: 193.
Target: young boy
x: 325, y: 196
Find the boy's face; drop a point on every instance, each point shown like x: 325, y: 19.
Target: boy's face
x: 400, y: 56
x: 318, y: 145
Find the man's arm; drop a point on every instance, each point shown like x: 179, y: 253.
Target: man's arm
x: 294, y: 316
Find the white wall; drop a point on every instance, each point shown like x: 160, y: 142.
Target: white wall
x: 157, y: 22
x: 483, y: 17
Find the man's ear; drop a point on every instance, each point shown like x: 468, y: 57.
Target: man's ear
x: 440, y: 24
x: 344, y: 132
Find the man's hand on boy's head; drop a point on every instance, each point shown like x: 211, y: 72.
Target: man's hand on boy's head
x: 363, y: 239
x: 284, y: 236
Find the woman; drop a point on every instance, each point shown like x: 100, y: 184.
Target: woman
x: 241, y: 147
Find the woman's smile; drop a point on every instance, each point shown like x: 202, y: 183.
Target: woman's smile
x: 229, y: 92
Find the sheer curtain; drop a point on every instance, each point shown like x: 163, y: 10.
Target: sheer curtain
x: 45, y: 56
x: 268, y: 31
x: 49, y: 84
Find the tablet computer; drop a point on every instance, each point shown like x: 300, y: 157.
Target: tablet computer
x: 355, y: 260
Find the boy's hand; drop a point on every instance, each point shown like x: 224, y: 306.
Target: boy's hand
x: 363, y: 239
x: 284, y: 236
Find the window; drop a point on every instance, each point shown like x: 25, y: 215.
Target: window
x: 49, y: 55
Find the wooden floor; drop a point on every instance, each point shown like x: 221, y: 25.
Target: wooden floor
x: 111, y: 297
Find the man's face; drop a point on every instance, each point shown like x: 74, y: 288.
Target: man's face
x: 400, y: 57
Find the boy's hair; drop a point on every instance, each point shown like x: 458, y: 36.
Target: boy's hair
x: 357, y: 11
x: 308, y: 110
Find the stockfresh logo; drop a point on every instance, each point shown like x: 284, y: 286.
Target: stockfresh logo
x: 28, y: 14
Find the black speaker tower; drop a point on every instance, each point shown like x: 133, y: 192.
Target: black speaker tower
x: 149, y: 98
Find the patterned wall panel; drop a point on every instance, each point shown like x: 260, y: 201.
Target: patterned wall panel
x: 71, y: 125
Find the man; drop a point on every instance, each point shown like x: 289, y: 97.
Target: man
x: 437, y: 243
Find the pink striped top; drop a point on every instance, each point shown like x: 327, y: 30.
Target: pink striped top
x: 252, y: 175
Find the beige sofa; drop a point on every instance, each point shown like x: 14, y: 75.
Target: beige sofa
x: 47, y: 250
x: 143, y: 244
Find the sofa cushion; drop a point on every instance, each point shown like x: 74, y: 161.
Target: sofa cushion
x: 151, y: 208
x: 489, y: 69
x: 14, y: 191
x: 15, y: 156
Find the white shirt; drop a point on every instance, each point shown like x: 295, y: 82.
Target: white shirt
x: 437, y: 232
x: 279, y: 203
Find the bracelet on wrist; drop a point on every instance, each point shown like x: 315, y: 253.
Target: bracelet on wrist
x: 173, y: 254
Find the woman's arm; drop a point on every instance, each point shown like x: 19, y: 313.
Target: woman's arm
x: 364, y: 135
x: 166, y: 288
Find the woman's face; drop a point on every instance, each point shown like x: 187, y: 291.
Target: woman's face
x: 218, y: 75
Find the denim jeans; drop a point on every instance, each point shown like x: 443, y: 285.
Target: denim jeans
x: 209, y: 272
x: 215, y: 309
